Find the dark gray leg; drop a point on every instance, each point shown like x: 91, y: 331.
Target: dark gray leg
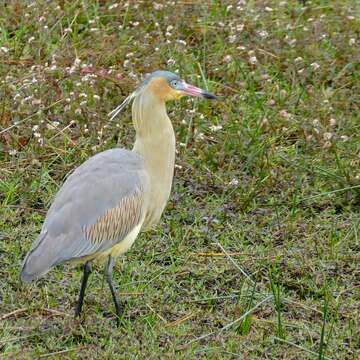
x: 87, y: 272
x: 110, y: 281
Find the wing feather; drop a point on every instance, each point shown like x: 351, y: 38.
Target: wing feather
x: 101, y: 202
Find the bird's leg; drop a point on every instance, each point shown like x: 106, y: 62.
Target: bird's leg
x: 110, y: 281
x: 87, y: 271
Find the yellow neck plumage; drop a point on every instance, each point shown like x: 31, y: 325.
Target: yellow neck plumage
x: 155, y: 142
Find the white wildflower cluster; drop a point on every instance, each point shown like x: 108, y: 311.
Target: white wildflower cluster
x: 234, y: 182
x: 181, y: 42
x: 263, y: 33
x: 285, y: 114
x: 215, y: 128
x: 198, y: 135
x: 113, y: 6
x: 74, y: 67
x: 158, y: 6
x: 37, y: 135
x: 4, y: 49
x: 227, y: 58
x: 315, y: 66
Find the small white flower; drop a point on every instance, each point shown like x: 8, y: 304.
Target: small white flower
x: 96, y: 97
x: 234, y: 182
x: 327, y: 136
x: 344, y: 138
x: 253, y: 60
x: 227, y: 58
x: 316, y: 122
x: 171, y: 62
x: 113, y: 6
x: 298, y: 59
x: 157, y: 6
x: 315, y: 65
x: 332, y: 122
x: 12, y: 152
x: 215, y: 127
x: 232, y: 39
x: 4, y: 49
x: 94, y: 29
x: 263, y: 33
x: 200, y: 136
x: 352, y: 41
x: 240, y: 27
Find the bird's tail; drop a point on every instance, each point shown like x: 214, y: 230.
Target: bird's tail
x: 37, y: 262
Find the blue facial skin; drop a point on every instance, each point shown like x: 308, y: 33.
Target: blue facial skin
x: 169, y: 76
x: 174, y: 81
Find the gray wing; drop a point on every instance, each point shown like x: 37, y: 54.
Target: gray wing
x: 97, y: 206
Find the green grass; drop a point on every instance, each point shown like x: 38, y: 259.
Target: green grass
x: 275, y: 191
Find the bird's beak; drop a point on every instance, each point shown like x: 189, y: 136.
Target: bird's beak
x: 191, y: 90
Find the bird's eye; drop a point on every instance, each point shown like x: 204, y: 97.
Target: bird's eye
x: 174, y: 83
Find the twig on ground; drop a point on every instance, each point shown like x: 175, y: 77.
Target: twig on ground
x: 180, y: 320
x: 158, y: 315
x: 61, y: 352
x: 214, y: 254
x: 13, y: 313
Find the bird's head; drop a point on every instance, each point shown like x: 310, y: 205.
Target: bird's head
x: 168, y: 86
x: 165, y: 86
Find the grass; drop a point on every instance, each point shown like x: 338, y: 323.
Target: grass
x: 257, y: 254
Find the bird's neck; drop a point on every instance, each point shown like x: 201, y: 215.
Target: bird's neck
x: 155, y: 142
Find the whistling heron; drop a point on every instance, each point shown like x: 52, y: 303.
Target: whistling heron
x: 102, y: 206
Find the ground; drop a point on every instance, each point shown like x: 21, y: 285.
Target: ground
x: 257, y: 254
